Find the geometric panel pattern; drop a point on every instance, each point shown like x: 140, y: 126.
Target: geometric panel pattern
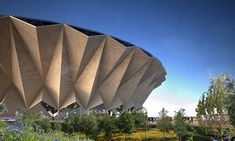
x: 60, y: 65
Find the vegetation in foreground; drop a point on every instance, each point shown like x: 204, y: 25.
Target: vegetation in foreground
x: 30, y: 127
x: 216, y: 108
x: 216, y: 111
x: 150, y: 134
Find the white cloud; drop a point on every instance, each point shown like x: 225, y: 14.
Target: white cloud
x: 171, y: 102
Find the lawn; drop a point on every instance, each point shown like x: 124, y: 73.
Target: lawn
x: 151, y: 135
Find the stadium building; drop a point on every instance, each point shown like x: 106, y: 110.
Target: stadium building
x: 50, y: 67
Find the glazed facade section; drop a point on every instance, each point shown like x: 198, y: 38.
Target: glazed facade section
x: 59, y: 65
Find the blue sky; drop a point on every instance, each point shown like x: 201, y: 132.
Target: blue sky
x: 192, y: 38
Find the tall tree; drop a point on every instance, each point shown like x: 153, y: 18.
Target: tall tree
x: 126, y: 122
x: 180, y: 125
x: 201, y: 109
x: 230, y: 101
x: 164, y: 122
x: 231, y: 109
x: 216, y: 104
x: 106, y: 125
x: 140, y: 119
x: 89, y: 125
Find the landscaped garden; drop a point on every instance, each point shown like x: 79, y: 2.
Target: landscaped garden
x: 127, y: 126
x: 215, y: 111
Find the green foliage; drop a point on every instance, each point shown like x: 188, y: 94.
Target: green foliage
x: 200, y: 138
x: 70, y: 125
x: 75, y: 123
x: 44, y: 124
x: 217, y: 104
x: 188, y: 136
x: 30, y: 116
x: 180, y: 125
x: 89, y: 126
x: 201, y: 108
x: 231, y: 110
x: 152, y: 126
x: 56, y: 126
x: 201, y: 130
x: 22, y: 131
x: 230, y: 102
x: 17, y: 130
x: 75, y: 128
x: 106, y: 125
x: 164, y: 122
x: 92, y: 125
x: 213, y: 103
x: 140, y: 120
x: 126, y: 122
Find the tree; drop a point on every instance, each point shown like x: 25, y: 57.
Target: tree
x: 216, y: 104
x: 230, y: 102
x: 201, y: 108
x: 126, y: 122
x: 164, y: 122
x: 140, y: 120
x: 231, y: 109
x: 89, y: 126
x: 107, y: 125
x: 180, y: 125
x: 68, y: 126
x: 56, y: 126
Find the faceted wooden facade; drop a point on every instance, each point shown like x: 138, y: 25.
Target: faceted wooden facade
x: 59, y: 65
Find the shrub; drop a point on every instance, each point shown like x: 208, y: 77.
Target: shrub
x: 152, y: 126
x: 67, y: 126
x: 89, y: 125
x: 44, y: 124
x: 188, y: 137
x: 29, y: 116
x: 56, y: 126
x: 200, y: 138
x: 201, y: 130
x: 106, y: 125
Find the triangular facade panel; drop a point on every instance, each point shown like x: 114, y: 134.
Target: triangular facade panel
x: 14, y: 102
x: 109, y: 87
x: 127, y: 89
x: 5, y: 45
x: 49, y: 68
x: 87, y: 81
x: 53, y: 77
x: 75, y: 43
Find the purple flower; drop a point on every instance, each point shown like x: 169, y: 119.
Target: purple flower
x: 1, y: 135
x: 56, y: 139
x: 5, y: 118
x: 9, y: 130
x: 15, y: 130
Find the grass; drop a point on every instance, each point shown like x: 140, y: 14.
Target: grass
x: 151, y: 135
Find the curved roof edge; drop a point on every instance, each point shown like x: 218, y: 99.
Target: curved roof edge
x: 88, y: 32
